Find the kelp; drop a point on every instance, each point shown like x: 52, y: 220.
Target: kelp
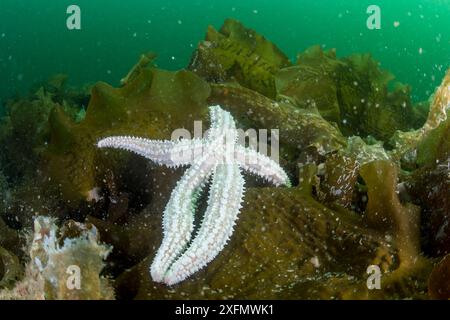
x: 405, y: 143
x: 145, y: 61
x: 286, y: 245
x: 429, y: 184
x: 361, y: 196
x: 341, y: 171
x: 299, y: 129
x: 10, y: 268
x: 439, y: 282
x: 310, y: 84
x: 385, y: 212
x: 24, y: 133
x: 10, y: 239
x: 351, y: 92
x: 153, y: 104
x: 236, y: 53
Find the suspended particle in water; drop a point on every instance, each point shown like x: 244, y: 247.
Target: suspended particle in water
x: 396, y: 24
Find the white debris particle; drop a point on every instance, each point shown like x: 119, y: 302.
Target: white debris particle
x: 180, y: 22
x: 255, y: 11
x: 315, y: 262
x: 420, y: 50
x: 396, y: 24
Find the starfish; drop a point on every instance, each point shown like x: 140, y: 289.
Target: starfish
x: 217, y: 158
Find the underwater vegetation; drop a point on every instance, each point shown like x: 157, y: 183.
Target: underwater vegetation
x: 369, y: 170
x: 218, y: 157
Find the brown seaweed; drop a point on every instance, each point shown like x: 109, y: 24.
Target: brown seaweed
x: 355, y: 203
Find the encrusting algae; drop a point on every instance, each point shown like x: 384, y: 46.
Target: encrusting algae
x: 370, y: 172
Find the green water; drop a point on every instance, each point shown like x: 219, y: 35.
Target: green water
x: 35, y: 42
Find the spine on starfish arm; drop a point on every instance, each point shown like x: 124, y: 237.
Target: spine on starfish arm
x: 221, y: 123
x: 168, y: 153
x: 258, y: 164
x: 224, y: 204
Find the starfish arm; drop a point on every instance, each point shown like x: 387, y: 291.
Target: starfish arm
x: 178, y: 221
x: 224, y: 204
x: 222, y: 123
x: 261, y: 165
x: 168, y: 153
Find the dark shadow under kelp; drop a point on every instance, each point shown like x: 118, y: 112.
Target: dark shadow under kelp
x: 371, y: 172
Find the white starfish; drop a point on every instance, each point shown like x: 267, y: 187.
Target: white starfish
x: 217, y: 157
